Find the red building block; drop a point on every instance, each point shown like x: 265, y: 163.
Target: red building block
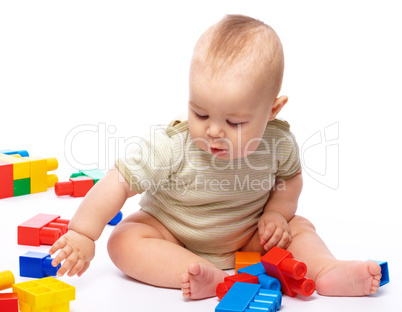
x: 43, y: 229
x: 280, y: 264
x: 76, y: 187
x: 8, y: 302
x: 224, y: 287
x: 6, y: 180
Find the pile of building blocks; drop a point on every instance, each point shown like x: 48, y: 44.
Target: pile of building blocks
x: 257, y: 287
x: 44, y: 295
x: 43, y: 229
x: 21, y: 174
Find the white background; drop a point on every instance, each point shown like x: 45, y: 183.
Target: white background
x: 80, y: 79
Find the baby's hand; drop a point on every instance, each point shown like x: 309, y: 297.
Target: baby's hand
x: 77, y: 249
x: 274, y: 230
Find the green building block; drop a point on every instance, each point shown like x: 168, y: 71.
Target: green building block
x: 94, y: 174
x: 22, y: 187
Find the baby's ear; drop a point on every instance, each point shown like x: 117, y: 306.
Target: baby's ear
x: 279, y: 103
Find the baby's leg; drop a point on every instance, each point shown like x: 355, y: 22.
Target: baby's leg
x: 333, y: 277
x: 144, y: 249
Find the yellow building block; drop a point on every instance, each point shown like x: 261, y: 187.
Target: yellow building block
x: 6, y: 279
x: 21, y: 166
x: 44, y: 295
x: 40, y: 180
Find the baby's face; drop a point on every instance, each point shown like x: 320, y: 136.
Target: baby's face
x: 227, y: 116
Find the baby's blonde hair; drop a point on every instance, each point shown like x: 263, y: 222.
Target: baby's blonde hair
x: 245, y: 41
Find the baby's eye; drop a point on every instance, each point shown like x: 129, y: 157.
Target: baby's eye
x: 201, y: 116
x: 234, y: 124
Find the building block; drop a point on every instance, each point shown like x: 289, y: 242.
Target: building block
x: 22, y: 153
x: 79, y: 184
x: 6, y: 279
x: 6, y: 180
x: 40, y: 180
x: 94, y: 174
x: 8, y: 302
x: 21, y: 166
x: 384, y: 272
x: 37, y: 265
x: 44, y: 295
x: 249, y: 297
x: 117, y: 218
x: 43, y: 229
x: 76, y: 187
x: 26, y: 170
x: 280, y: 264
x: 223, y: 288
x: 22, y: 187
x: 244, y: 259
x: 266, y: 281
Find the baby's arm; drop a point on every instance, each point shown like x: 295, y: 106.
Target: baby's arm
x: 278, y: 211
x: 99, y: 206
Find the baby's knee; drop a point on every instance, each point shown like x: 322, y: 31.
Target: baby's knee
x: 300, y: 224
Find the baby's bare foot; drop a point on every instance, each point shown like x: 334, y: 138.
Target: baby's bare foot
x: 349, y: 278
x: 200, y: 280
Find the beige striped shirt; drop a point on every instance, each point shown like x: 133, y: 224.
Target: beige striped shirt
x: 211, y: 205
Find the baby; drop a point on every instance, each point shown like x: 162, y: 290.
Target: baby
x: 225, y: 180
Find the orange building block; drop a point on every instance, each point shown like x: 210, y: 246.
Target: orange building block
x: 245, y: 259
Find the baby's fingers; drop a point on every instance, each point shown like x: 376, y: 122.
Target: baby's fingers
x: 86, y: 266
x: 59, y: 244
x: 266, y: 231
x: 77, y: 268
x: 285, y: 240
x: 62, y: 255
x: 71, y: 260
x: 275, y: 239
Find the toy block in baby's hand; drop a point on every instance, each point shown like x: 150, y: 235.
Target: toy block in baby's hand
x: 37, y: 265
x: 279, y: 263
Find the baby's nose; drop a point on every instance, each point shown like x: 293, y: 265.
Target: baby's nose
x: 215, y: 131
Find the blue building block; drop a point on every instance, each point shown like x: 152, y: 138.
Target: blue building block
x: 255, y: 269
x: 22, y: 153
x: 266, y: 281
x: 384, y: 272
x: 117, y: 218
x: 244, y: 297
x: 37, y: 265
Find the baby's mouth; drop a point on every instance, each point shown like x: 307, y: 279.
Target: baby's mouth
x: 218, y: 151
